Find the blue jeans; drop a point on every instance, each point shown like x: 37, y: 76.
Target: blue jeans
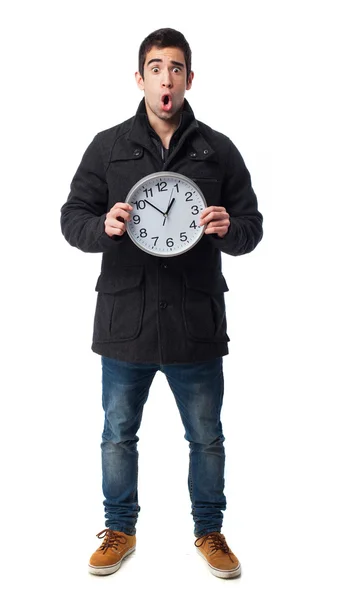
x: 198, y: 392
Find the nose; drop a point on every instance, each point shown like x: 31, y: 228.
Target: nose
x: 166, y: 81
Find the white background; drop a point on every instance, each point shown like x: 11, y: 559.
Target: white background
x: 270, y: 75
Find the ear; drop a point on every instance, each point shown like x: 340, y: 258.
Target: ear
x: 139, y: 80
x: 189, y: 80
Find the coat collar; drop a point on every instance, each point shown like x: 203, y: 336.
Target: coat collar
x: 141, y: 128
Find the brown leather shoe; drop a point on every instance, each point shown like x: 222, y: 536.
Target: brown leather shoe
x: 220, y: 558
x: 115, y: 547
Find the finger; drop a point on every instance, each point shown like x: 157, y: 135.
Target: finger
x: 121, y: 210
x: 217, y: 212
x: 216, y: 226
x: 119, y: 213
x: 115, y: 230
x: 220, y: 231
x: 112, y: 223
x: 209, y: 209
x: 122, y: 205
x: 118, y: 231
x: 214, y: 216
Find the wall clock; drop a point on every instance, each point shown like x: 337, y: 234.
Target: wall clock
x: 166, y: 213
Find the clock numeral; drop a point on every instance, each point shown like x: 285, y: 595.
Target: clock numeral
x: 176, y: 186
x: 143, y: 232
x: 194, y: 209
x: 136, y: 219
x: 188, y: 196
x: 140, y: 204
x: 155, y: 238
x: 183, y: 236
x: 193, y: 225
x: 161, y: 186
x: 147, y: 192
x: 169, y: 242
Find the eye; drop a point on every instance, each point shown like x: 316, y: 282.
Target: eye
x: 155, y: 69
x: 176, y: 69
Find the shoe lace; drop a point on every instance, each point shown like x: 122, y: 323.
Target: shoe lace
x: 217, y: 542
x: 111, y: 539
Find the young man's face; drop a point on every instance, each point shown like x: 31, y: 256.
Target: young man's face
x: 164, y: 82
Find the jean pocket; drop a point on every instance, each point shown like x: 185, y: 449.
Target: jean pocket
x: 120, y: 305
x: 204, y: 306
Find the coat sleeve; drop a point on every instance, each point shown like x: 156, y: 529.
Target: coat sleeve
x: 84, y: 213
x: 240, y: 201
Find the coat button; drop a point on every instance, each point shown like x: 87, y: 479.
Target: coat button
x: 163, y: 304
x: 136, y: 152
x: 193, y: 154
x: 163, y: 266
x: 206, y: 151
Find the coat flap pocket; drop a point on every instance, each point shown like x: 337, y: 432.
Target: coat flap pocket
x: 207, y: 281
x: 211, y: 189
x: 205, y: 180
x: 122, y: 152
x: 123, y: 279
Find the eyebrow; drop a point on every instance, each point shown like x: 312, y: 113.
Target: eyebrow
x: 173, y: 62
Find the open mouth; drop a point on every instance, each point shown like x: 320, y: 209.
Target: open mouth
x: 166, y: 101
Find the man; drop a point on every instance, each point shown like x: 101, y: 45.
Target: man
x: 161, y: 314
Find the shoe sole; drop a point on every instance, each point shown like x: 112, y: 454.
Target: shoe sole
x: 219, y: 572
x: 112, y: 568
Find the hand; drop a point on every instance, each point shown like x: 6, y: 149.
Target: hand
x: 216, y: 219
x: 116, y: 217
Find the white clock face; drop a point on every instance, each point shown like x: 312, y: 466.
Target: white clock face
x: 166, y: 213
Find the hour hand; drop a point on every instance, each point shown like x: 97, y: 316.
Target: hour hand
x: 170, y: 206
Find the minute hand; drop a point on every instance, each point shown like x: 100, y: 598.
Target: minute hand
x: 147, y: 201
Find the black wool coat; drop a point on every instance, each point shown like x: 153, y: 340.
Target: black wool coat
x: 151, y: 309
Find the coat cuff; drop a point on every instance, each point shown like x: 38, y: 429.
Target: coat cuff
x: 230, y: 241
x: 103, y: 241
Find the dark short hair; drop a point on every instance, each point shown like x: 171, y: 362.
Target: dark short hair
x: 164, y: 38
